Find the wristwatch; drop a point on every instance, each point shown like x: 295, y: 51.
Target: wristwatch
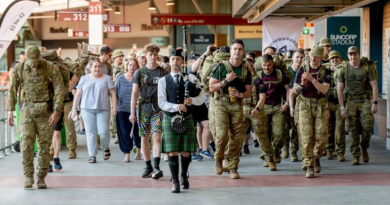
x: 226, y: 82
x: 291, y: 108
x: 342, y: 108
x: 375, y: 102
x: 327, y: 108
x: 257, y: 108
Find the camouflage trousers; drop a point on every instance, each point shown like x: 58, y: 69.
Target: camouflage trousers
x: 71, y: 136
x: 291, y: 133
x: 212, y: 117
x: 276, y: 122
x: 113, y: 131
x: 259, y: 125
x: 336, y: 130
x: 359, y: 113
x: 33, y: 125
x: 228, y: 117
x: 313, y: 128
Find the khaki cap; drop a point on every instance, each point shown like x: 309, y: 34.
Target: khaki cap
x: 140, y: 54
x: 325, y: 42
x: 33, y: 56
x: 353, y: 49
x: 317, y: 51
x: 117, y: 53
x: 333, y: 54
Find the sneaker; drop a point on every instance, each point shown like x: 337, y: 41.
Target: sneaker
x: 157, y: 174
x: 82, y: 132
x: 50, y: 168
x: 57, y: 164
x: 148, y: 172
x: 166, y: 158
x: 246, y: 149
x: 256, y: 143
x: 196, y: 157
x: 207, y: 154
x: 212, y: 146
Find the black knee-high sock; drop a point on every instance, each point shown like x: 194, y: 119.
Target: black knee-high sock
x: 148, y: 164
x: 174, y: 167
x: 185, y: 163
x: 156, y: 162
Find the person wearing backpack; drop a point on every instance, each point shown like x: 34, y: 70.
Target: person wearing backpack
x: 230, y: 83
x: 150, y: 116
x: 358, y: 82
x: 326, y: 43
x: 275, y: 82
x: 40, y: 86
x: 312, y: 82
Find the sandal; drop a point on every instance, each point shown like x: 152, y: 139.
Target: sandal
x: 92, y: 160
x: 107, y: 154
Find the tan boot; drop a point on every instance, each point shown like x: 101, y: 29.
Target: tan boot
x: 365, y: 156
x: 41, y: 183
x: 317, y: 167
x: 294, y: 157
x: 355, y: 161
x: 218, y: 167
x: 225, y: 166
x: 72, y: 154
x: 329, y: 155
x: 234, y: 174
x: 28, y: 183
x: 310, y: 172
x: 265, y: 163
x: 277, y: 156
x: 340, y: 158
x: 285, y: 151
x: 272, y: 164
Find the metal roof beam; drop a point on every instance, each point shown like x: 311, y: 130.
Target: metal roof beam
x: 266, y: 10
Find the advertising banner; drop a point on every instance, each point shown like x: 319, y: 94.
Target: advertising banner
x: 248, y: 32
x: 197, y: 19
x: 282, y: 33
x: 344, y: 32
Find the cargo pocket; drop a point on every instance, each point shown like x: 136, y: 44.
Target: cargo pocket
x: 39, y: 108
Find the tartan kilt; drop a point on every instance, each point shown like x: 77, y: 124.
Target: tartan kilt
x: 172, y: 142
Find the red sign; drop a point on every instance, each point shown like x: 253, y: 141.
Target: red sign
x: 115, y: 28
x: 77, y: 16
x: 197, y: 19
x: 95, y: 8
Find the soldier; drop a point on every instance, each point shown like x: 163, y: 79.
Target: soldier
x: 232, y: 74
x: 326, y: 43
x: 297, y: 57
x: 313, y: 80
x: 254, y: 115
x: 150, y: 116
x: 40, y: 86
x: 104, y: 58
x: 141, y: 58
x: 361, y: 102
x: 117, y: 69
x: 172, y: 99
x: 275, y: 83
x: 336, y: 129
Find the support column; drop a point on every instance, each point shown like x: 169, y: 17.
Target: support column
x: 95, y: 23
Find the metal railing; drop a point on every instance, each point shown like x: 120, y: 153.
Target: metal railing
x: 7, y: 133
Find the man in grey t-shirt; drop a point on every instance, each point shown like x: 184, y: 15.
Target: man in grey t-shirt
x: 105, y: 55
x: 145, y: 81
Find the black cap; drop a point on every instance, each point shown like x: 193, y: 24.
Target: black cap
x: 22, y: 53
x: 177, y: 52
x: 224, y: 49
x: 194, y: 56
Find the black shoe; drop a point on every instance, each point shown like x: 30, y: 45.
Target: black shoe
x: 184, y: 181
x: 212, y: 146
x: 50, y: 168
x: 246, y: 149
x: 175, y: 187
x: 148, y: 172
x: 82, y: 132
x: 57, y: 164
x: 256, y: 143
x: 157, y: 174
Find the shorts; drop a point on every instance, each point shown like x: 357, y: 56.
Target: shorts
x: 249, y: 130
x: 200, y: 113
x: 59, y: 125
x: 150, y: 123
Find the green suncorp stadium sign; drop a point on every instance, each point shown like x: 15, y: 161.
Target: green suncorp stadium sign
x: 344, y: 32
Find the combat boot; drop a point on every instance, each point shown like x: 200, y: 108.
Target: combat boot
x: 310, y: 172
x: 294, y: 156
x: 234, y: 174
x: 218, y: 167
x: 28, y: 183
x: 365, y: 156
x: 317, y: 167
x: 340, y: 158
x: 329, y: 155
x: 41, y: 183
x: 72, y: 154
x: 355, y: 161
x: 225, y: 166
x: 277, y: 156
x: 272, y: 164
x: 285, y: 151
x: 265, y: 163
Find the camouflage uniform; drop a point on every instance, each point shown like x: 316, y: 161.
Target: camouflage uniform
x: 115, y: 71
x: 41, y: 97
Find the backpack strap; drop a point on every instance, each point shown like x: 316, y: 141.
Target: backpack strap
x: 141, y: 78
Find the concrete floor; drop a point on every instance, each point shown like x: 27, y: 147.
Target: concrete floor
x: 113, y: 182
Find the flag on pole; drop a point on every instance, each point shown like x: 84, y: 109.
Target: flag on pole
x: 13, y: 19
